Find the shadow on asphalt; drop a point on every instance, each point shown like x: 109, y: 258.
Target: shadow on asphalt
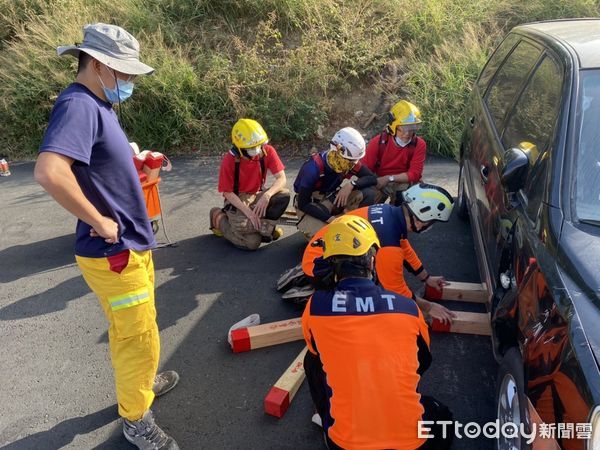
x: 64, y: 432
x: 52, y: 300
x: 20, y: 261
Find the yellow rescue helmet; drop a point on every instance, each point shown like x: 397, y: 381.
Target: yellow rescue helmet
x: 403, y: 113
x: 349, y: 236
x: 248, y: 133
x: 530, y: 150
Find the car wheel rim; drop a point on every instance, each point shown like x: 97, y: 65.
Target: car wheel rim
x: 509, y: 412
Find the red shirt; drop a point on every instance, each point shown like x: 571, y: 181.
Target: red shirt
x: 396, y: 159
x: 250, y: 177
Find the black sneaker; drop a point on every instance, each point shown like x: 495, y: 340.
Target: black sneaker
x: 164, y: 382
x: 146, y: 435
x: 290, y: 278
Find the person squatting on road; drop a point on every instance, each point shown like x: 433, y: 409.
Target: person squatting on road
x: 395, y: 253
x: 319, y: 197
x: 397, y: 154
x: 85, y: 164
x: 367, y: 349
x: 250, y: 214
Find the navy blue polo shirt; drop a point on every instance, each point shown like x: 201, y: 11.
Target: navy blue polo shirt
x: 85, y: 128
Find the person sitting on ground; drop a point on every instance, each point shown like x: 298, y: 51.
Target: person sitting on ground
x: 397, y: 155
x: 428, y: 203
x: 367, y: 349
x: 250, y: 214
x: 319, y: 197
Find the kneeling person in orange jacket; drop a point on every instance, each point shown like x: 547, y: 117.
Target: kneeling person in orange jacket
x: 368, y: 348
x: 424, y: 204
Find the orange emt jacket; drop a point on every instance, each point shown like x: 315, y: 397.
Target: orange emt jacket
x: 374, y: 345
x: 395, y: 253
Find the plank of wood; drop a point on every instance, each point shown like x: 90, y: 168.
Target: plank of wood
x: 290, y: 217
x: 278, y: 400
x: 250, y: 338
x: 465, y: 323
x: 464, y: 292
x: 289, y: 221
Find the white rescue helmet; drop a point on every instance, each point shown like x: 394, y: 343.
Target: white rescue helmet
x: 350, y: 143
x: 428, y: 202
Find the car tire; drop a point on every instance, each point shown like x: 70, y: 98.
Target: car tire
x: 511, y: 401
x: 462, y: 210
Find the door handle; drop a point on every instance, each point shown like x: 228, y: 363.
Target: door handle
x: 484, y: 172
x: 472, y: 121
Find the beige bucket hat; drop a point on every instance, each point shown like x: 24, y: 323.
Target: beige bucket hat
x: 112, y: 46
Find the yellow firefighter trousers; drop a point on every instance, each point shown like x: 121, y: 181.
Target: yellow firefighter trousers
x: 127, y: 299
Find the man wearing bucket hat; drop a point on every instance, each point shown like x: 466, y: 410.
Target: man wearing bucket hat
x: 85, y: 163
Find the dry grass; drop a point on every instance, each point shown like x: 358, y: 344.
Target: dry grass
x: 283, y: 62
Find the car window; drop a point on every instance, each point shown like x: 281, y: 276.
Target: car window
x: 534, y: 116
x: 587, y: 172
x: 508, y: 81
x: 531, y: 125
x: 495, y: 60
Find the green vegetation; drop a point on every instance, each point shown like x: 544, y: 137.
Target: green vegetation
x: 283, y: 62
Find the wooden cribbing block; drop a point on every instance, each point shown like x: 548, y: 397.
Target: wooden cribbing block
x: 287, y: 220
x: 249, y: 338
x: 283, y: 391
x: 290, y: 217
x: 464, y: 292
x: 465, y: 322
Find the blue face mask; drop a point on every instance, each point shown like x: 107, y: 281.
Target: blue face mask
x: 121, y: 92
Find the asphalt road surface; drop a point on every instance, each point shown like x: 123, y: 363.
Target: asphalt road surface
x: 56, y: 383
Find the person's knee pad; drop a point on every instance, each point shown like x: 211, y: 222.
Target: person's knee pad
x: 277, y: 206
x: 322, y: 207
x: 368, y: 196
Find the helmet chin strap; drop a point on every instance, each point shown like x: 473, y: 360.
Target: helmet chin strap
x: 411, y: 218
x: 413, y: 225
x: 425, y: 225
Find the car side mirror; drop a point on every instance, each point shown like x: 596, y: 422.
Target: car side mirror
x: 516, y: 167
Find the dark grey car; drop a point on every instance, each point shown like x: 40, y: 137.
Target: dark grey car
x: 530, y: 183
